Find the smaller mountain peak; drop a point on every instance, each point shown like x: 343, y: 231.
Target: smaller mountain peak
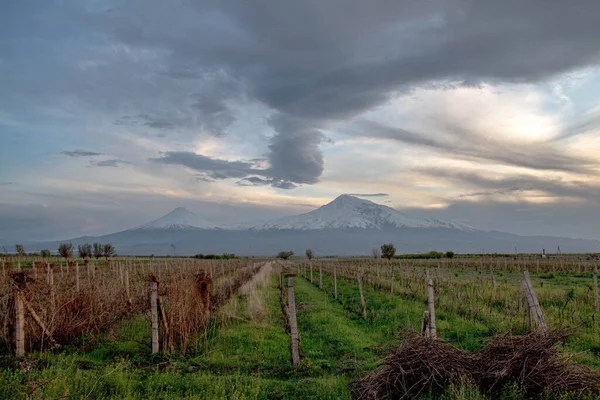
x: 179, y: 218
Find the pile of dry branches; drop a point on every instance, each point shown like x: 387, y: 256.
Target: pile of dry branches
x: 532, y: 362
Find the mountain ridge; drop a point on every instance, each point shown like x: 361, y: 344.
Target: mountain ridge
x: 346, y: 226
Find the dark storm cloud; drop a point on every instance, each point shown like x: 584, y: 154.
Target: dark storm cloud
x: 467, y: 145
x: 215, y: 169
x: 80, y: 153
x: 369, y: 194
x: 294, y: 152
x: 317, y: 62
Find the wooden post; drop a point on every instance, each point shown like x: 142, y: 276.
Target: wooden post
x: 533, y: 305
x: 52, y: 291
x: 167, y: 339
x: 19, y: 324
x: 127, y: 293
x: 493, y: 277
x: 393, y: 279
x: 77, y: 276
x: 523, y: 293
x: 362, y: 296
x: 596, y: 299
x: 321, y: 276
x: 154, y: 312
x: 311, y: 274
x: 520, y: 300
x: 334, y: 281
x: 431, y: 309
x: 294, y: 336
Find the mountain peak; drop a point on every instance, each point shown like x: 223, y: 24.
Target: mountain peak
x: 179, y: 218
x: 350, y: 212
x: 347, y: 200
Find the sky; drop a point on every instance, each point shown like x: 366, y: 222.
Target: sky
x: 112, y: 113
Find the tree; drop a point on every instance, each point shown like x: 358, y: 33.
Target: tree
x: 45, y: 253
x: 376, y: 253
x: 65, y: 250
x: 388, y: 251
x: 284, y: 255
x: 98, y: 250
x: 109, y: 250
x: 309, y: 254
x: 449, y: 254
x: 20, y: 250
x: 85, y: 250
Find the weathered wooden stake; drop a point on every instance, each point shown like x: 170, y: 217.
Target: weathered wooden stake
x: 127, y: 293
x: 311, y: 274
x: 533, y: 305
x: 335, y: 281
x: 167, y: 343
x: 77, y: 276
x: 294, y: 336
x: 431, y: 309
x: 19, y: 324
x: 321, y: 276
x: 596, y: 299
x: 154, y: 315
x: 38, y: 321
x: 52, y: 291
x: 362, y: 296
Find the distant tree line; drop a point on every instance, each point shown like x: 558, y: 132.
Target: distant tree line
x: 223, y: 256
x: 430, y: 255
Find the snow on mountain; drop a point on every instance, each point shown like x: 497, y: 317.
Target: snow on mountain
x: 179, y: 218
x: 351, y: 212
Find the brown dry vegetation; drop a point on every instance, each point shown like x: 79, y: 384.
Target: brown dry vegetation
x: 68, y: 314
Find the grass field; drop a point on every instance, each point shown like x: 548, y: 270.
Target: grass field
x: 244, y: 353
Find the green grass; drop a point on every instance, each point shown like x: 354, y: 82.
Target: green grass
x: 248, y: 355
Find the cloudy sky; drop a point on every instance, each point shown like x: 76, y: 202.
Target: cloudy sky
x: 114, y: 112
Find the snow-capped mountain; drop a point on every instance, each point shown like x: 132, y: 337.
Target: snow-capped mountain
x: 178, y: 219
x: 348, y: 226
x: 347, y: 211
